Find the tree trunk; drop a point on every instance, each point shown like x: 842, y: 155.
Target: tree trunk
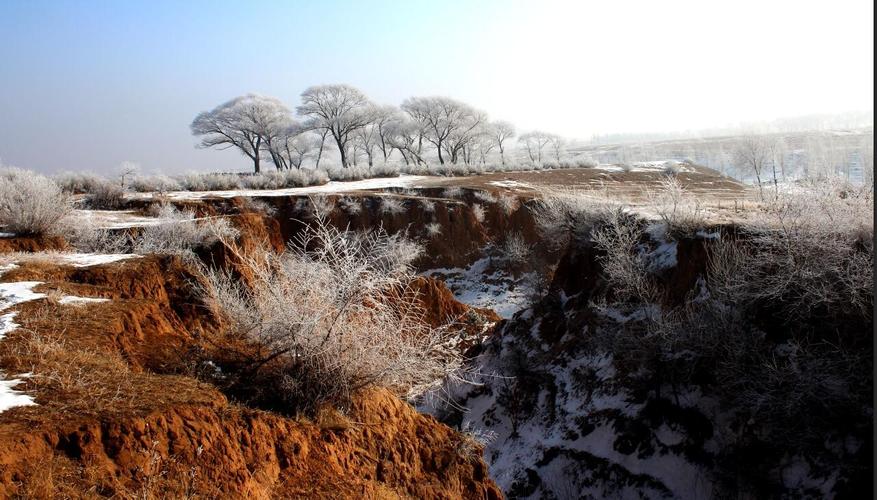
x: 341, y: 149
x: 502, y: 155
x: 439, y: 149
x: 320, y: 151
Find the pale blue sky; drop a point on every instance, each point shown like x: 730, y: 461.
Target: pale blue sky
x: 89, y: 84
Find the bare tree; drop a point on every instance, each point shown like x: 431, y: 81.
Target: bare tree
x: 500, y: 132
x: 752, y: 153
x: 245, y: 123
x: 448, y: 124
x: 338, y: 109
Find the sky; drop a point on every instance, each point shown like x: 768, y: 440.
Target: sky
x: 89, y: 84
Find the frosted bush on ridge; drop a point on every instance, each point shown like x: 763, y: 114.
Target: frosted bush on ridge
x: 31, y: 204
x: 333, y: 315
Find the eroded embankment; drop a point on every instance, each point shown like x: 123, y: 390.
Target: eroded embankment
x: 120, y: 409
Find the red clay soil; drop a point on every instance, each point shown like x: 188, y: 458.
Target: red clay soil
x: 31, y: 244
x: 441, y: 308
x: 119, y: 413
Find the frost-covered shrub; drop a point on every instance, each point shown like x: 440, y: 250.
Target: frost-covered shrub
x: 179, y: 232
x: 106, y: 195
x: 564, y: 215
x: 392, y: 206
x: 154, y: 184
x: 78, y: 182
x: 452, y: 192
x: 85, y: 236
x: 249, y: 204
x: 31, y: 204
x: 210, y: 182
x: 433, y: 229
x: 811, y: 252
x: 507, y: 203
x: 350, y: 205
x: 478, y: 212
x: 514, y: 250
x: 678, y: 209
x: 485, y: 196
x: 427, y: 205
x: 330, y: 317
x: 584, y: 162
x: 384, y: 170
x: 322, y: 205
x: 347, y: 174
x: 670, y: 169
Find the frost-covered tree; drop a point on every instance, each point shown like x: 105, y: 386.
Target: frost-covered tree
x: 534, y: 143
x: 340, y: 110
x: 297, y: 145
x: 406, y: 135
x: 383, y: 119
x: 752, y: 153
x: 558, y: 144
x: 447, y: 123
x: 246, y: 123
x: 500, y: 132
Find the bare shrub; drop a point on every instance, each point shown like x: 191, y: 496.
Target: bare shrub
x: 180, y: 232
x: 392, y: 206
x: 331, y: 316
x: 31, y: 204
x: 478, y: 212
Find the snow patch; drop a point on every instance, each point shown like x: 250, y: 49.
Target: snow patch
x: 93, y: 259
x: 18, y: 292
x: 330, y: 187
x: 72, y: 299
x: 478, y: 286
x: 10, y: 398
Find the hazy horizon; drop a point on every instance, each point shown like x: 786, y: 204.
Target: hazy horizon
x: 87, y: 85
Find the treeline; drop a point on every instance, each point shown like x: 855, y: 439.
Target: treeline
x: 420, y: 131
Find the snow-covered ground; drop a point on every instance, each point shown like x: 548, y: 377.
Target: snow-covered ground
x: 645, y: 166
x: 330, y: 187
x: 117, y: 219
x: 480, y: 286
x: 17, y: 292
